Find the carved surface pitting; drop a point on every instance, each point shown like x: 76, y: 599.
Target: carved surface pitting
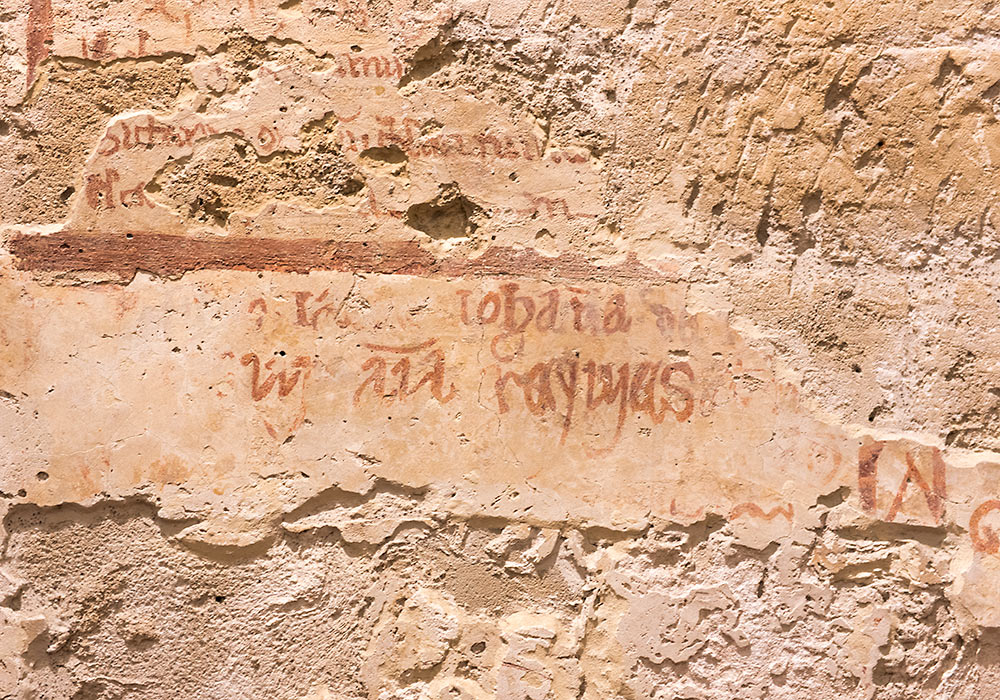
x: 536, y: 351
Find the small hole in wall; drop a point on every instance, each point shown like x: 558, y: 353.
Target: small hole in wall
x: 478, y: 648
x: 128, y: 236
x: 856, y: 367
x: 67, y: 193
x: 22, y: 493
x: 881, y: 142
x: 220, y: 599
x: 42, y: 476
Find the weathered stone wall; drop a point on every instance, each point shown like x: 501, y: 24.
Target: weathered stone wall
x: 529, y: 350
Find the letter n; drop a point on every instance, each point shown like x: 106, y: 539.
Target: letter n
x: 934, y: 494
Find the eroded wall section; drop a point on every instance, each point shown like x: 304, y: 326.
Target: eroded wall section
x: 521, y: 350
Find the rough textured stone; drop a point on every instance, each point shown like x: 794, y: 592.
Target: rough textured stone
x: 527, y: 350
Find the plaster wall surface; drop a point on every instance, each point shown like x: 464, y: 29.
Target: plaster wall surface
x: 532, y: 350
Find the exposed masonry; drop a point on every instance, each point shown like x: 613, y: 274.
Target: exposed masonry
x: 482, y: 607
x: 506, y: 349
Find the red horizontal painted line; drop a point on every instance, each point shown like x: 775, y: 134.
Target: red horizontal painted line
x: 122, y: 254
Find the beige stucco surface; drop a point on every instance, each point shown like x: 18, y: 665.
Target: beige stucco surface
x: 520, y: 350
